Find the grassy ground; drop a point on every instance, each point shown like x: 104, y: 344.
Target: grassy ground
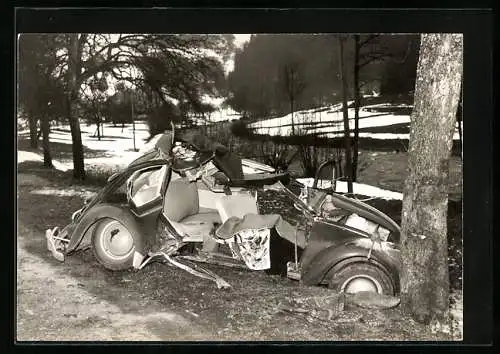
x: 197, y: 310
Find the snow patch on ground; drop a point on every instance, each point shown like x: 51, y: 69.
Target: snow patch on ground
x: 119, y: 161
x: 23, y: 156
x: 328, y: 122
x: 119, y: 150
x: 382, y: 136
x: 115, y: 139
x: 358, y: 188
x: 67, y: 192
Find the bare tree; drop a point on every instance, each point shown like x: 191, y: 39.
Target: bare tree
x: 361, y: 60
x: 175, y: 64
x: 357, y: 104
x: 73, y: 87
x: 345, y: 115
x: 294, y: 85
x: 45, y: 125
x: 424, y: 249
x: 359, y: 63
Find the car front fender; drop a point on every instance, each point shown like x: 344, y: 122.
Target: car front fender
x: 334, y: 257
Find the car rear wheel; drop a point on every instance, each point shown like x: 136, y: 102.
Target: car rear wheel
x: 113, y: 244
x: 359, y: 277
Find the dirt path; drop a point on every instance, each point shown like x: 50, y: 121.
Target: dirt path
x: 55, y: 306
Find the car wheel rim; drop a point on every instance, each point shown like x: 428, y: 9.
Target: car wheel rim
x: 116, y: 241
x: 359, y: 283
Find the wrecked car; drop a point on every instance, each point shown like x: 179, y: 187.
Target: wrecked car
x: 190, y: 201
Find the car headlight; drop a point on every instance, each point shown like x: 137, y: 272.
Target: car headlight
x: 76, y: 214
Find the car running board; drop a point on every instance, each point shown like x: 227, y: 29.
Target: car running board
x: 194, y: 270
x: 217, y: 259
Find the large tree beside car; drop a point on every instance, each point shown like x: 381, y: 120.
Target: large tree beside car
x: 424, y: 249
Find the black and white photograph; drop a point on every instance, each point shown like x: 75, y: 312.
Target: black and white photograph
x: 239, y: 187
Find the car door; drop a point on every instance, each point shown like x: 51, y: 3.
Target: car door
x: 146, y: 189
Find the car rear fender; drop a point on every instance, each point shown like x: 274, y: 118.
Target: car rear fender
x: 99, y: 212
x: 333, y: 258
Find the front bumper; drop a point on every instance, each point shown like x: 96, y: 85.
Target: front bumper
x: 56, y: 242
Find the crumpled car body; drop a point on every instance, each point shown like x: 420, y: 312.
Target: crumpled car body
x: 190, y: 200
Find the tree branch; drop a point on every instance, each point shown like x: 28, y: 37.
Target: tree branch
x: 367, y: 40
x: 371, y: 58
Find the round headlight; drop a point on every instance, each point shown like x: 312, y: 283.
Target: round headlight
x: 76, y: 214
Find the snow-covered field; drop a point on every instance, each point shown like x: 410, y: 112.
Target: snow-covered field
x: 118, y: 149
x: 328, y: 122
x: 117, y: 146
x: 358, y: 188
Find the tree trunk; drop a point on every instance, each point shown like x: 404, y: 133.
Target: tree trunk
x: 33, y: 131
x: 47, y: 159
x: 133, y: 122
x: 74, y: 123
x: 345, y: 114
x: 459, y: 121
x: 76, y: 138
x: 357, y: 104
x: 460, y: 137
x: 424, y: 248
x: 98, y: 130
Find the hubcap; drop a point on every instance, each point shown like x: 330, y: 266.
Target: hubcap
x: 361, y: 283
x: 116, y: 240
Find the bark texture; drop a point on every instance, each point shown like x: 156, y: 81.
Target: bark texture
x: 424, y: 248
x: 47, y: 158
x: 33, y: 131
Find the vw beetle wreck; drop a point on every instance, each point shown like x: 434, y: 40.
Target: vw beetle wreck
x: 190, y: 201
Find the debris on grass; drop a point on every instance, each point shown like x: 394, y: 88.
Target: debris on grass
x: 372, y: 300
x: 192, y: 313
x: 320, y: 307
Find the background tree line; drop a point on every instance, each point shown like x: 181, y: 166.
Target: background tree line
x: 268, y: 64
x: 277, y: 74
x: 65, y: 77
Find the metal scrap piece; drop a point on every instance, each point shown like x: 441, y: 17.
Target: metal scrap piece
x: 55, y: 243
x: 199, y: 272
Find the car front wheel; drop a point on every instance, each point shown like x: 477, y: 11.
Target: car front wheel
x: 359, y: 277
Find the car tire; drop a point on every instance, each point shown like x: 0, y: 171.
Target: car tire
x: 361, y: 276
x: 114, y: 240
